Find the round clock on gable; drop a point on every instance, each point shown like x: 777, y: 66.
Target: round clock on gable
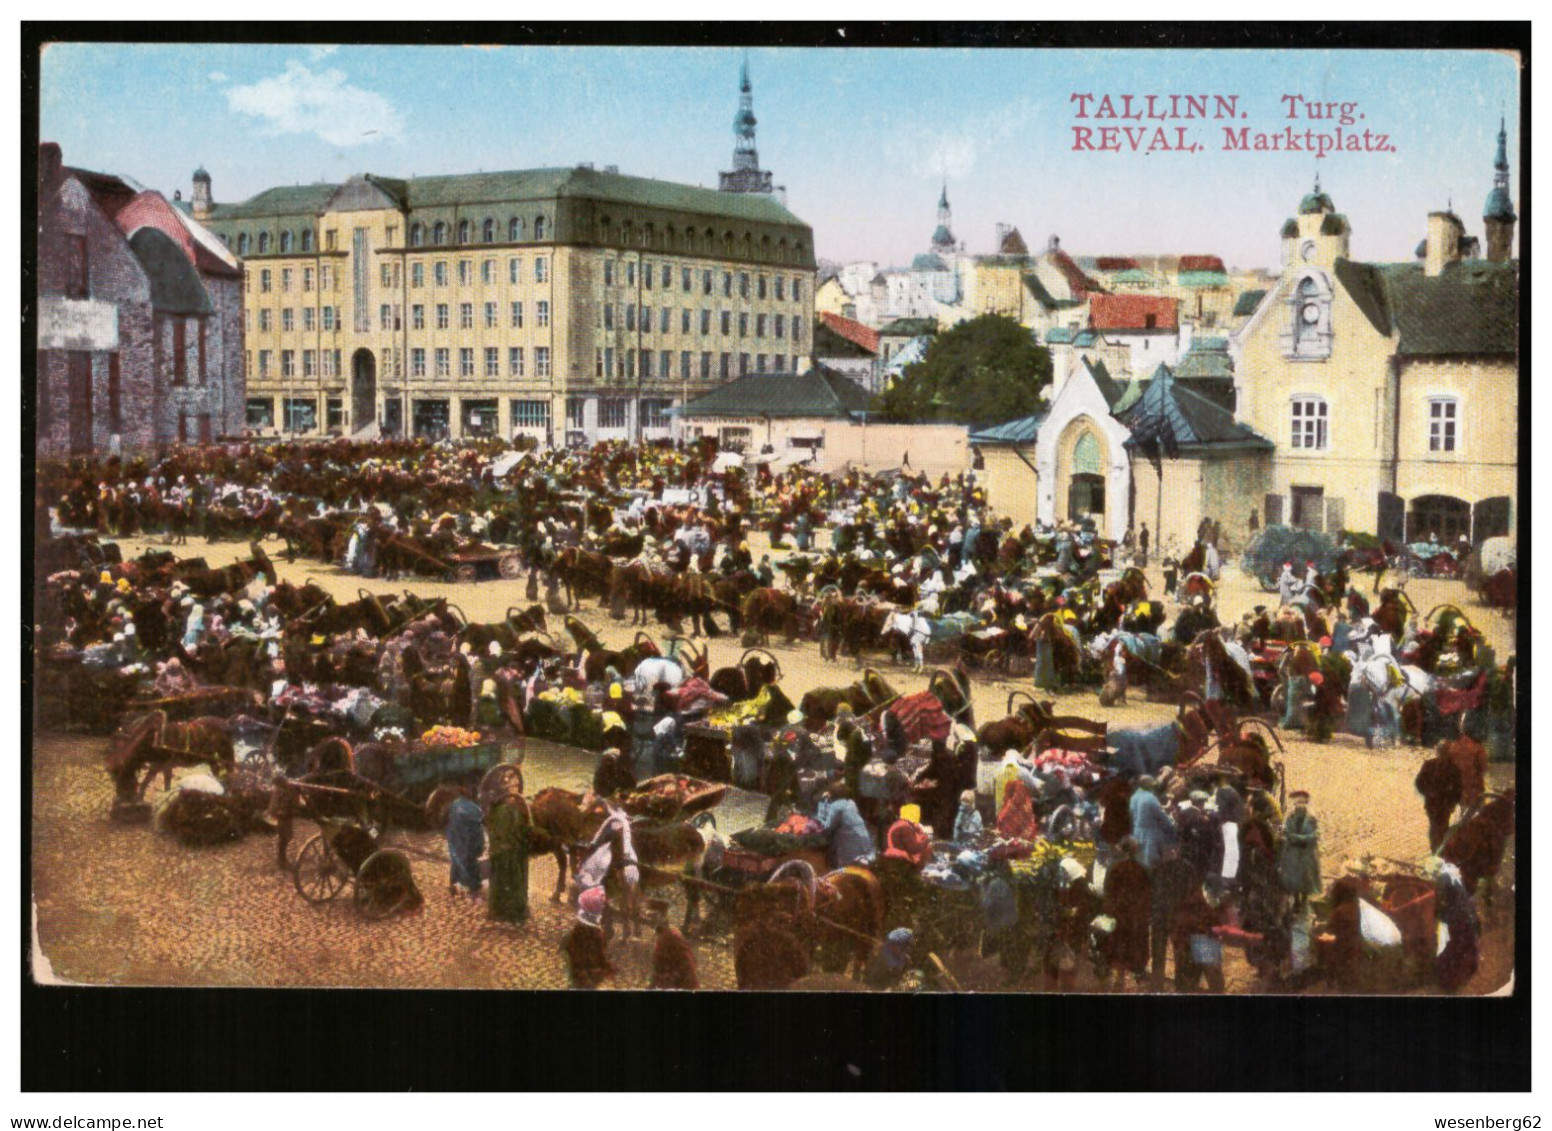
x: 1310, y: 313
x: 1307, y: 252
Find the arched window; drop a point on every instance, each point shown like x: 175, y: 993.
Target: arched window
x: 605, y: 230
x: 263, y: 243
x: 439, y: 232
x: 765, y: 247
x: 670, y: 237
x: 649, y: 236
x: 1085, y: 455
x: 514, y: 229
x: 488, y: 230
x: 307, y: 239
x: 242, y: 243
x: 1310, y: 419
x: 417, y: 234
x: 689, y: 239
x: 463, y: 231
x: 538, y: 227
x: 285, y: 242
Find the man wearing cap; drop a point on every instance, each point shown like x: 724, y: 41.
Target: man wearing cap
x: 1298, y: 862
x: 1200, y: 841
x: 1152, y: 827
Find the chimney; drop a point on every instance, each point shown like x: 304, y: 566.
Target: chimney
x: 1444, y: 235
x: 51, y: 166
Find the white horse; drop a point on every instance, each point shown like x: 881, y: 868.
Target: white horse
x: 655, y: 670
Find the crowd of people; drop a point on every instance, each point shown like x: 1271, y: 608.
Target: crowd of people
x: 1123, y: 866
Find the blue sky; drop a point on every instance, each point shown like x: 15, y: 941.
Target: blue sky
x: 860, y: 138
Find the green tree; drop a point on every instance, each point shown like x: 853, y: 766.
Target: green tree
x: 982, y: 372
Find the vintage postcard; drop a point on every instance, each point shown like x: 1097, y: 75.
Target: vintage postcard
x: 862, y: 520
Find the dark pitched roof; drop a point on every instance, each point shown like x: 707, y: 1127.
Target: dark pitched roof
x: 820, y: 393
x: 175, y: 284
x: 1013, y: 244
x: 1471, y: 308
x: 1109, y: 387
x: 908, y: 328
x: 1114, y: 263
x: 285, y: 200
x: 1174, y: 416
x: 1077, y: 279
x: 1020, y: 431
x: 1201, y: 263
x: 1207, y: 357
x: 1246, y: 303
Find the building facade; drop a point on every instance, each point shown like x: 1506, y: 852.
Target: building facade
x: 139, y: 319
x: 1392, y: 388
x: 570, y: 305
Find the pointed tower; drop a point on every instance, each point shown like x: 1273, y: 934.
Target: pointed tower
x: 746, y: 174
x: 943, y: 237
x: 1499, y: 215
x: 202, y: 198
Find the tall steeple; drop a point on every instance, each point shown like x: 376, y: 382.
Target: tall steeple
x: 1498, y: 214
x: 943, y: 237
x: 746, y: 174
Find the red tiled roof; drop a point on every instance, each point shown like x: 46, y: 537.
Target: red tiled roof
x: 1079, y: 282
x: 852, y: 330
x: 1115, y: 263
x: 1130, y: 312
x: 1200, y: 263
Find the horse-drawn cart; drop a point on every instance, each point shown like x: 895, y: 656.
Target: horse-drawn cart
x: 346, y: 854
x: 472, y: 562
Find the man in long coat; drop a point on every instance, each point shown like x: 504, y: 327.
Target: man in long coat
x: 1129, y: 901
x: 1439, y: 782
x: 510, y: 827
x: 1298, y: 864
x: 465, y: 842
x: 1151, y: 825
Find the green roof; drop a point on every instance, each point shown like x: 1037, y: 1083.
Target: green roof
x: 1203, y: 279
x: 287, y: 200
x: 819, y: 393
x: 1133, y: 275
x: 1174, y: 416
x: 1290, y: 228
x: 1109, y: 388
x: 1246, y: 304
x: 521, y: 185
x: 1020, y: 431
x: 1131, y: 392
x: 1206, y: 358
x: 1059, y: 335
x: 1335, y: 225
x: 175, y: 284
x: 1316, y: 201
x: 1471, y: 308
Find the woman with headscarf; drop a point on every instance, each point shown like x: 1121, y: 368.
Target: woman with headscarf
x: 587, y: 961
x: 465, y: 841
x: 1016, y: 818
x: 511, y: 824
x: 967, y: 820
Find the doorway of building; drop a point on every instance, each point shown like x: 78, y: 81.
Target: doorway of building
x: 1440, y: 518
x: 1309, y: 508
x: 393, y: 416
x: 363, y: 390
x: 1086, y: 496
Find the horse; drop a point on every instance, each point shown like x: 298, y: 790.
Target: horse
x: 781, y: 923
x: 746, y: 679
x: 157, y: 744
x: 1477, y: 842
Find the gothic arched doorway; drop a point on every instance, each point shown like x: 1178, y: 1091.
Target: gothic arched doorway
x: 1086, y: 488
x: 363, y: 390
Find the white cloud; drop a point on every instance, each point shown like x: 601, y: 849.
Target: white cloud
x: 323, y: 103
x: 321, y: 51
x: 217, y: 76
x: 954, y: 153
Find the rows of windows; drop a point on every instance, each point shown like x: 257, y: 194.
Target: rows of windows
x: 490, y: 361
x: 488, y: 230
x: 687, y: 365
x: 648, y: 319
x: 300, y: 414
x: 694, y: 241
x: 705, y: 280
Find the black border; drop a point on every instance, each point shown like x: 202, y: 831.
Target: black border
x: 290, y: 1040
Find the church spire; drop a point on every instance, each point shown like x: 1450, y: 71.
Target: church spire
x: 746, y: 174
x: 943, y: 237
x: 1498, y: 213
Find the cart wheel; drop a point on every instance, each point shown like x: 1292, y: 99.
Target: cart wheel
x: 384, y: 885
x: 511, y: 566
x: 494, y: 785
x: 320, y: 875
x: 465, y: 571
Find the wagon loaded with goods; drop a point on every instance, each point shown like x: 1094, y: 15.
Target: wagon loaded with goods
x: 473, y: 561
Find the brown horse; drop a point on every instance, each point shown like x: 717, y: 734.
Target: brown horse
x: 779, y: 925
x: 156, y: 744
x: 1476, y: 844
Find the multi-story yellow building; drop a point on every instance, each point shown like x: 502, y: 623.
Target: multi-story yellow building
x: 560, y: 303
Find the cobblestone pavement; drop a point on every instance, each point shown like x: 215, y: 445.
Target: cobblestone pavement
x: 122, y: 904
